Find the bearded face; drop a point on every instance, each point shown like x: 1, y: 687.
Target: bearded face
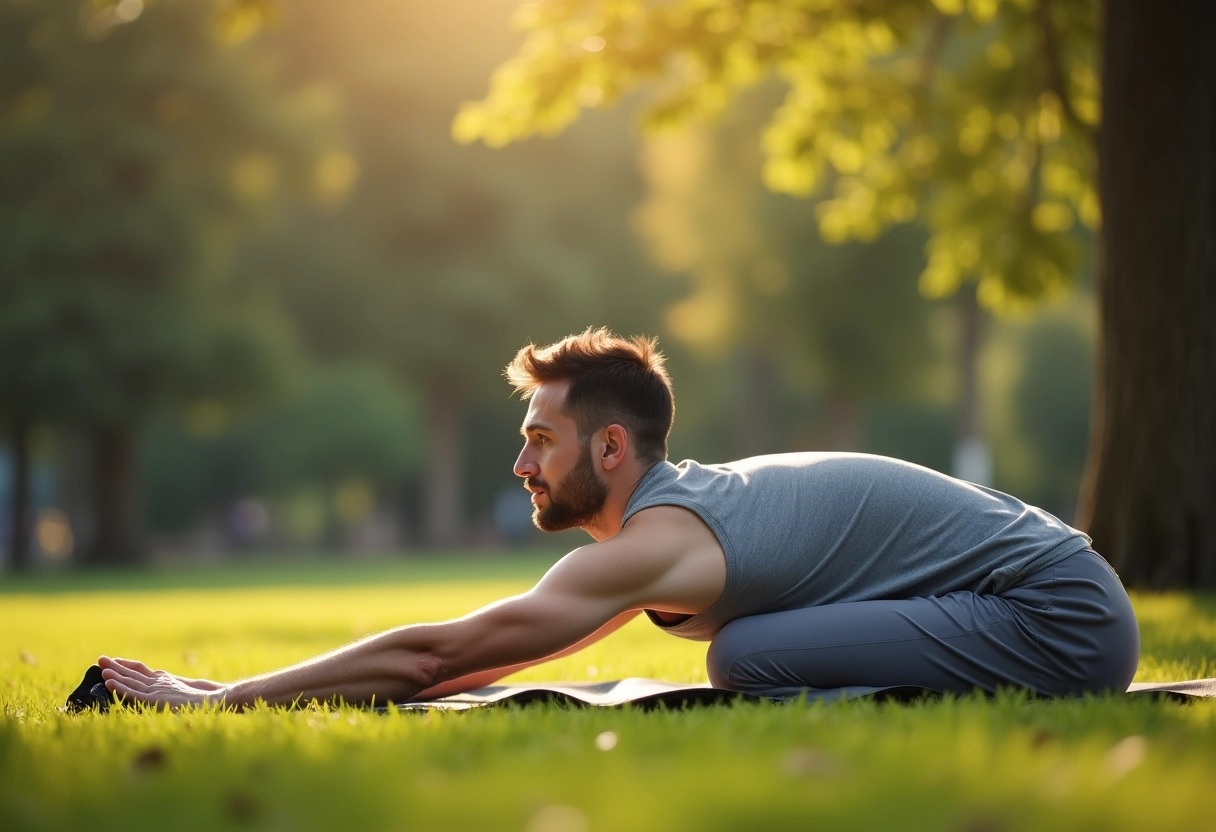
x: 577, y: 500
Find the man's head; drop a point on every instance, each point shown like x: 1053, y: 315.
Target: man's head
x: 611, y: 380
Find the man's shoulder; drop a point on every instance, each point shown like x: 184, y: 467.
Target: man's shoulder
x: 666, y: 532
x: 662, y: 518
x: 664, y: 555
x: 667, y: 553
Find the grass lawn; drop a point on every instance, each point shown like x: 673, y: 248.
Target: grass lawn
x: 969, y: 764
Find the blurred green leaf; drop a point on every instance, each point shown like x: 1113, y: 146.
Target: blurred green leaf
x: 975, y: 118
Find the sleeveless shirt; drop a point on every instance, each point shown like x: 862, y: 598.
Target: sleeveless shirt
x: 805, y: 529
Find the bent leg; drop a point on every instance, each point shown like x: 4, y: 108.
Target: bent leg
x: 1066, y: 630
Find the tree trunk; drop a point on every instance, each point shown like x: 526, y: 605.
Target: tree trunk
x: 755, y: 422
x: 20, y: 555
x: 443, y: 500
x: 118, y: 528
x: 972, y: 459
x: 842, y: 428
x: 1149, y: 499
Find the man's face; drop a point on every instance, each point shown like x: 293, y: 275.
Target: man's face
x: 577, y: 499
x: 566, y: 490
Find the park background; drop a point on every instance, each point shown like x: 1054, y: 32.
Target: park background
x: 261, y: 264
x: 258, y: 297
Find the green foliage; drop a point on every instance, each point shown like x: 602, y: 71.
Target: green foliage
x: 1053, y: 402
x: 133, y: 158
x: 352, y: 426
x: 975, y: 117
x: 440, y: 256
x: 440, y: 260
x: 1036, y: 407
x: 1008, y: 764
x: 808, y: 335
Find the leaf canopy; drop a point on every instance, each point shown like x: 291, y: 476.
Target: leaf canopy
x: 974, y: 117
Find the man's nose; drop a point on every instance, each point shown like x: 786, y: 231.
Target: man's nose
x: 525, y: 467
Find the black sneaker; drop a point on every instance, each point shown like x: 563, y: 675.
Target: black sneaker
x: 91, y: 694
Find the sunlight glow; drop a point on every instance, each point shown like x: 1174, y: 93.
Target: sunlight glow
x: 54, y: 534
x: 254, y: 176
x: 128, y: 10
x: 334, y: 176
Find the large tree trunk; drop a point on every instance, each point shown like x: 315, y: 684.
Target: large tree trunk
x: 1150, y: 495
x: 20, y: 556
x: 118, y: 537
x: 443, y: 500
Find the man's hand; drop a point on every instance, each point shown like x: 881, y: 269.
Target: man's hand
x: 134, y: 682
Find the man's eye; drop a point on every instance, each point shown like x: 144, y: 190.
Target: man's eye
x: 540, y: 440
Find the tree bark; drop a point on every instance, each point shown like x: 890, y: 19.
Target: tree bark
x: 20, y: 554
x: 1149, y: 499
x: 118, y: 538
x: 443, y: 500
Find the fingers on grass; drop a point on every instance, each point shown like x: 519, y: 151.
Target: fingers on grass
x: 130, y: 694
x: 126, y: 672
x: 138, y: 667
x: 116, y: 662
x: 127, y: 682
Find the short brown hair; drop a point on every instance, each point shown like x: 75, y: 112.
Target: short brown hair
x: 613, y: 380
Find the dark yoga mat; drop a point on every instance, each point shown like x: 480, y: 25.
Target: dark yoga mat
x: 641, y: 693
x: 653, y: 693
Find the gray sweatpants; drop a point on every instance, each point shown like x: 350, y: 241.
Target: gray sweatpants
x: 1068, y: 629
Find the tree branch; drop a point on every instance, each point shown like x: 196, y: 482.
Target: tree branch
x: 1049, y: 41
x: 939, y: 36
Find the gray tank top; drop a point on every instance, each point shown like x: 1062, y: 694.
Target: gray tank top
x: 799, y: 530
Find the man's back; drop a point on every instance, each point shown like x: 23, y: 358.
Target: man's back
x: 801, y: 530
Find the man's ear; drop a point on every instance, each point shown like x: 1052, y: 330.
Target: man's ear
x: 616, y: 445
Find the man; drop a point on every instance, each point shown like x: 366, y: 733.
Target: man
x: 806, y: 572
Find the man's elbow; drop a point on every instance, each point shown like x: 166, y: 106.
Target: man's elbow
x: 406, y: 668
x: 427, y: 670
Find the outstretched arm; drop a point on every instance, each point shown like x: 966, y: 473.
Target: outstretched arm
x: 135, y: 680
x: 572, y: 606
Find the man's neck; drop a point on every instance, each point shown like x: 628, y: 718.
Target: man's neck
x: 607, y: 523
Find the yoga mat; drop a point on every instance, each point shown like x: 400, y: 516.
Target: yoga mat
x: 649, y: 694
x: 646, y: 694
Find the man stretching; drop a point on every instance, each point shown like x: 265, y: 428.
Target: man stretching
x: 806, y: 572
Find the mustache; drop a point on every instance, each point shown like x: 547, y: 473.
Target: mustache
x: 531, y: 484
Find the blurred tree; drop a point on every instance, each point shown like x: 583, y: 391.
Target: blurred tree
x: 1037, y: 371
x: 443, y: 260
x: 131, y: 161
x: 1052, y: 400
x: 786, y: 314
x: 333, y: 426
x: 978, y: 117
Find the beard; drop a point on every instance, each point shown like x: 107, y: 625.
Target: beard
x: 578, y: 499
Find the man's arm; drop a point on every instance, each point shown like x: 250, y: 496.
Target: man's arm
x: 572, y: 604
x: 489, y: 677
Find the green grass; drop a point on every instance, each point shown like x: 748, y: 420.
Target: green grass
x: 961, y: 764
